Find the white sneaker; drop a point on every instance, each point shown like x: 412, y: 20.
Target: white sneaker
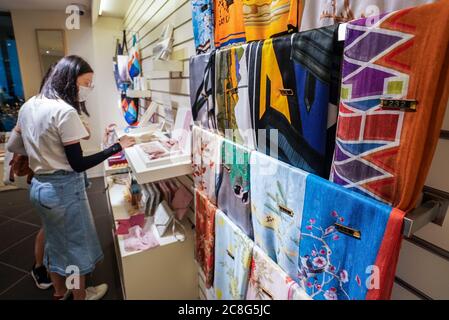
x: 96, y: 293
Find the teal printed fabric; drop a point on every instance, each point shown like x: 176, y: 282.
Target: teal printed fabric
x: 234, y: 185
x: 233, y: 254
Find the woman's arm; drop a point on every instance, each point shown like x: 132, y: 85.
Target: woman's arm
x: 79, y: 163
x: 15, y: 142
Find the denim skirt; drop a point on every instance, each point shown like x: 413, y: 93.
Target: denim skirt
x: 71, y: 240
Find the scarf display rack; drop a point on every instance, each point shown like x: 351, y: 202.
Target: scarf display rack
x: 433, y: 209
x: 371, y: 168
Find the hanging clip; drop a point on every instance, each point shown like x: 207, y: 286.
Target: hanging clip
x: 232, y: 90
x: 286, y: 92
x: 286, y: 210
x: 230, y: 255
x: 348, y: 231
x: 399, y: 104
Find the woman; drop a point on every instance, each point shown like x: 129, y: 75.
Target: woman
x: 38, y: 272
x: 49, y: 131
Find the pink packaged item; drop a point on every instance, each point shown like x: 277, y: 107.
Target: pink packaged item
x: 125, y: 224
x: 138, y: 239
x: 181, y: 202
x: 155, y: 150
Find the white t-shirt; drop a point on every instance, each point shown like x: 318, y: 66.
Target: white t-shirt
x: 46, y: 125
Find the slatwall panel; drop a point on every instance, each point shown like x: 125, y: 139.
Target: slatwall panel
x: 425, y: 267
x: 418, y: 268
x: 147, y: 19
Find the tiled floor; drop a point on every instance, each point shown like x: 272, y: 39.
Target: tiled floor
x: 19, y: 224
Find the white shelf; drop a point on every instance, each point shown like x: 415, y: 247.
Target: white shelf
x: 111, y: 170
x: 120, y: 208
x: 144, y: 174
x: 138, y: 93
x: 171, y: 65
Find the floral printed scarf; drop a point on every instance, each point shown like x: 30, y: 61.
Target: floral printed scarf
x: 233, y: 253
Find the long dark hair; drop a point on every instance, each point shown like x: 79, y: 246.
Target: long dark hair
x: 46, y: 76
x: 61, y: 81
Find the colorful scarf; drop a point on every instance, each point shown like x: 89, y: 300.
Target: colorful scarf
x: 386, y: 152
x: 276, y: 101
x: 134, y: 66
x: 277, y: 199
x: 231, y: 93
x: 203, y: 25
x: 206, y: 153
x: 229, y: 26
x: 320, y: 13
x: 317, y: 56
x: 205, y: 235
x: 233, y: 185
x: 345, y: 238
x: 130, y: 108
x: 269, y: 282
x: 233, y: 253
x: 267, y: 18
x: 202, y: 82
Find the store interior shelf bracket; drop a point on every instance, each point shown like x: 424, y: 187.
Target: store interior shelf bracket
x: 432, y: 210
x: 143, y: 94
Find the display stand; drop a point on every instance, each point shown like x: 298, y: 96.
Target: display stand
x: 165, y: 272
x: 168, y: 271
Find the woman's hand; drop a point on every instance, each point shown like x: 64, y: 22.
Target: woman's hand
x: 127, y: 142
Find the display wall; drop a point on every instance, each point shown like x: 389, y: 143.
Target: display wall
x: 414, y: 281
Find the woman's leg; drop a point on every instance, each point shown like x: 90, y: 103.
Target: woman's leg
x: 39, y: 248
x: 58, y: 284
x: 80, y: 294
x: 39, y: 272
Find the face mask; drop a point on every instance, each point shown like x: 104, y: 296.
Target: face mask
x: 83, y: 93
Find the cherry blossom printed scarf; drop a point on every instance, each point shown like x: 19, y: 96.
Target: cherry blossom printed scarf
x: 233, y: 253
x: 205, y: 236
x: 234, y: 185
x: 277, y: 199
x: 269, y: 282
x: 349, y: 244
x: 395, y: 89
x: 206, y: 153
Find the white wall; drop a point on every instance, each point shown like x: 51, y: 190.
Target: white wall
x: 95, y: 44
x: 25, y: 23
x: 146, y: 18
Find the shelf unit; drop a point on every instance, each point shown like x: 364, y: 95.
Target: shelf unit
x: 144, y: 174
x: 155, y: 273
x: 111, y: 170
